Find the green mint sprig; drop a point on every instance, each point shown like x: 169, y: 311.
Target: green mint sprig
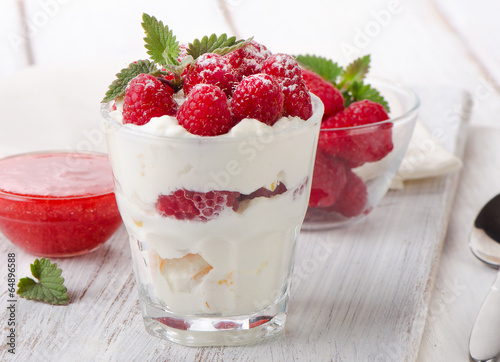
x: 49, y: 289
x: 326, y: 68
x: 161, y: 43
x: 355, y: 71
x: 164, y: 51
x: 117, y: 88
x: 349, y: 80
x: 221, y: 45
x: 358, y: 91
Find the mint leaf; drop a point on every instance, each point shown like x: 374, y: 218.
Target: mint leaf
x: 326, y: 68
x: 117, y: 88
x: 352, y: 86
x: 359, y: 91
x: 221, y: 45
x: 162, y: 46
x: 178, y: 69
x: 231, y: 45
x: 49, y: 289
x: 356, y: 71
x: 349, y: 80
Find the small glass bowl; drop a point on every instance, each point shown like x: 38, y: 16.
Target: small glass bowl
x: 41, y: 212
x: 356, y: 186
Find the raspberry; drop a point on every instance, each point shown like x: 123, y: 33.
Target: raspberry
x: 146, y: 97
x: 227, y: 325
x: 197, y: 206
x: 282, y: 66
x: 174, y: 323
x: 258, y: 96
x: 297, y: 101
x: 287, y: 72
x: 359, y: 145
x: 213, y: 69
x: 329, y: 179
x: 205, y: 112
x: 248, y: 59
x: 364, y: 112
x: 353, y: 199
x: 329, y: 95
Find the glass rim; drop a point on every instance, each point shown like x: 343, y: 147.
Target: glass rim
x: 14, y: 196
x: 415, y: 104
x: 318, y: 107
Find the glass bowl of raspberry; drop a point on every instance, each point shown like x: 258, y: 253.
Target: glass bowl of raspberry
x: 359, y: 152
x: 56, y: 203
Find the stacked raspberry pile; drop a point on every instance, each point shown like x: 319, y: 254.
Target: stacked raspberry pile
x: 335, y: 187
x: 219, y: 92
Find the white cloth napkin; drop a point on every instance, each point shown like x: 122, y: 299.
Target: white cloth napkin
x: 425, y: 157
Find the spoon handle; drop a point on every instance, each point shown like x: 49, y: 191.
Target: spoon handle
x: 484, y: 343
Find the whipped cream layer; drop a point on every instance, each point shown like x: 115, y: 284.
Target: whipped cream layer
x: 239, y: 262
x: 166, y: 157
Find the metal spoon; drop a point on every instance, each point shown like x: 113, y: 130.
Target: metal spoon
x: 484, y: 343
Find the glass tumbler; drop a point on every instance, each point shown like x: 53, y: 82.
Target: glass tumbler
x: 213, y: 223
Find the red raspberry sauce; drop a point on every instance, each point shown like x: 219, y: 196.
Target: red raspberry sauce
x: 57, y: 204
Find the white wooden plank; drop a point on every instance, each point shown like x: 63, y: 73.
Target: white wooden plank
x: 406, y: 39
x: 83, y: 31
x: 463, y: 281
x: 477, y: 25
x: 54, y: 107
x: 12, y: 40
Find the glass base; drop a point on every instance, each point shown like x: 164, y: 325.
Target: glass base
x: 215, y: 330
x: 317, y: 219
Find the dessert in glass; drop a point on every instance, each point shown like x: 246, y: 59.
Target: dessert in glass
x: 213, y: 165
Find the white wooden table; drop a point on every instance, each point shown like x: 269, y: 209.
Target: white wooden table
x: 369, y: 293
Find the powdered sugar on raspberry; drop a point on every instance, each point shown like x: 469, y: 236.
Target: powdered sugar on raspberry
x: 149, y: 84
x: 147, y: 97
x: 283, y: 67
x: 210, y: 68
x: 249, y: 59
x: 206, y: 111
x: 258, y: 96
